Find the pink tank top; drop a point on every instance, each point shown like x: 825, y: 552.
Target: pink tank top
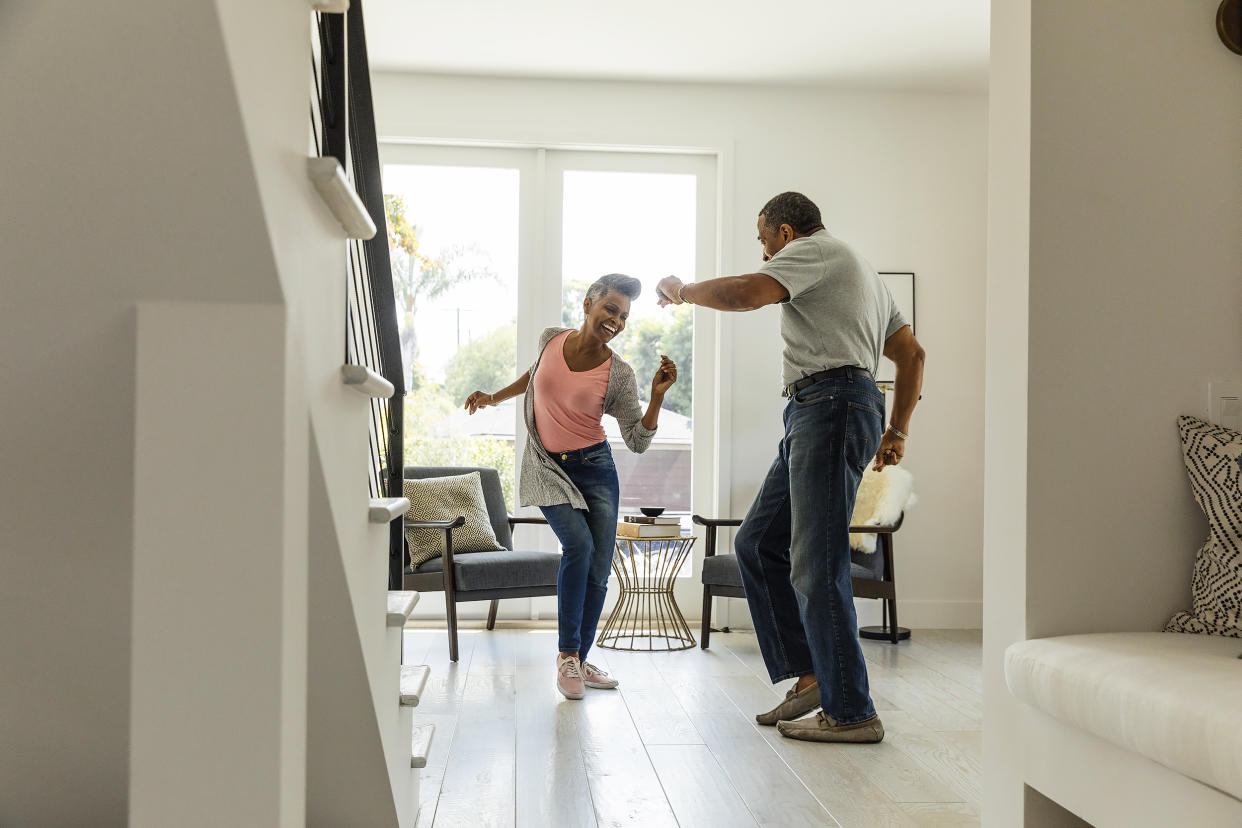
x: 569, y: 405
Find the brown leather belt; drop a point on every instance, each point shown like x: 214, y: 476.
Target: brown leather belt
x: 848, y: 371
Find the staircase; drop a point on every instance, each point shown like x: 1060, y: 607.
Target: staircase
x: 363, y: 749
x: 184, y: 283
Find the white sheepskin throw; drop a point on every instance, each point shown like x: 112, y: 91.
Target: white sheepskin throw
x: 882, y: 497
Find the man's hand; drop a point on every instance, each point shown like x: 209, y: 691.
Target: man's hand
x: 477, y: 400
x: 667, y: 291
x: 664, y: 377
x: 892, y: 449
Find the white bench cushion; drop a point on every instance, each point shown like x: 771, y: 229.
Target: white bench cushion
x: 1174, y: 698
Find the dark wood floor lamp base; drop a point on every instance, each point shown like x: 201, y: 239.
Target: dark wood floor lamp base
x: 883, y: 633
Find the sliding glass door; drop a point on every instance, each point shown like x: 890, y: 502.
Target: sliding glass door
x: 495, y: 244
x: 638, y: 215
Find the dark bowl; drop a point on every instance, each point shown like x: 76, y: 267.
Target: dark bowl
x: 651, y: 511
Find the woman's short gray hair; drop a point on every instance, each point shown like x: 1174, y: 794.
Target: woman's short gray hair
x: 619, y: 282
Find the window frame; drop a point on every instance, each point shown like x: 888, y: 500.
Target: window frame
x: 541, y: 173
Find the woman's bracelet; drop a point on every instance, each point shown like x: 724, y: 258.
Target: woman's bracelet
x: 901, y: 434
x: 681, y: 293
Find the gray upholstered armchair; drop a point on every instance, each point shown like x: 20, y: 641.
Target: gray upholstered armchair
x: 481, y: 576
x: 872, y: 574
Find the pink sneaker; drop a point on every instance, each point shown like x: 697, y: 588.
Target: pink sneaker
x: 569, y: 677
x: 592, y: 676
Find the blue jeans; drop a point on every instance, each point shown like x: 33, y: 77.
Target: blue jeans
x: 794, y: 549
x: 588, y: 539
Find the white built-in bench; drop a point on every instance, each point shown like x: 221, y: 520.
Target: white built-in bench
x: 1174, y: 699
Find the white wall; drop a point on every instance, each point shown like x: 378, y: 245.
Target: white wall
x: 901, y: 176
x: 1136, y: 299
x: 153, y: 582
x: 1130, y: 197
x: 120, y: 148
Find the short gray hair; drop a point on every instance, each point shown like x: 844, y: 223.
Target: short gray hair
x: 627, y: 285
x: 794, y: 209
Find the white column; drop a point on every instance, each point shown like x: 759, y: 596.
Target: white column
x: 219, y: 638
x: 1005, y: 434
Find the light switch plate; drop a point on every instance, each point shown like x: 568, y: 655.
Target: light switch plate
x: 1225, y: 404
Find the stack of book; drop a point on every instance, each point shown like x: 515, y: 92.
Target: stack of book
x: 640, y: 526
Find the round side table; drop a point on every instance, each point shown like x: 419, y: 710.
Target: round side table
x: 646, y: 617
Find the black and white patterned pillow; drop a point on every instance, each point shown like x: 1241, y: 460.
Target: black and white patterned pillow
x: 444, y: 498
x: 1213, y: 457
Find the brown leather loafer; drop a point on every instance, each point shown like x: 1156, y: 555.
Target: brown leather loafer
x: 795, y: 704
x: 824, y: 728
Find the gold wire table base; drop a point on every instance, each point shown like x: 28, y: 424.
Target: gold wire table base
x: 646, y: 611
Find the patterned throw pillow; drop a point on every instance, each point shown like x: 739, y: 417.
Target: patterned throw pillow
x: 1214, y: 463
x: 444, y: 498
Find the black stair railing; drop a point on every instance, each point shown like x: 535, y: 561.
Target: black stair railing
x: 343, y: 126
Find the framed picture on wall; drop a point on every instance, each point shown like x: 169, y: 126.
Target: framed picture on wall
x: 901, y: 285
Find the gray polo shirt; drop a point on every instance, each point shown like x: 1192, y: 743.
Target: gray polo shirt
x: 839, y: 311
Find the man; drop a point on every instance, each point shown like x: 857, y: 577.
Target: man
x: 837, y: 316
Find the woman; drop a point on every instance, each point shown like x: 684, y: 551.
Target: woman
x: 567, y: 468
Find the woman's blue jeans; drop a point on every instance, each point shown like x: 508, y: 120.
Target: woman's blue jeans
x: 588, y: 538
x: 794, y: 549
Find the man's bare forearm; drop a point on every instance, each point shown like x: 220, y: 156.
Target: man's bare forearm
x: 908, y: 387
x: 726, y: 293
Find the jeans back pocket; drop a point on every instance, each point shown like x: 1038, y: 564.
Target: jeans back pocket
x: 864, y: 424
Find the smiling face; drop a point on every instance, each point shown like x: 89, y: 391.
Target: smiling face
x: 605, y: 317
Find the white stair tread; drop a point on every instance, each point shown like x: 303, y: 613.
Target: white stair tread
x: 420, y: 745
x: 400, y: 605
x: 331, y: 6
x: 338, y: 193
x: 413, y: 680
x: 366, y: 382
x: 387, y: 509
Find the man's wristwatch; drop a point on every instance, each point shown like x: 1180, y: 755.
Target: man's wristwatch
x: 899, y: 433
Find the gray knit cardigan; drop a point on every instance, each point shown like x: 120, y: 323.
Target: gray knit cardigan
x: 542, y: 482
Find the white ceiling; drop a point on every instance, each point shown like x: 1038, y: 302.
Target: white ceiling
x: 920, y: 44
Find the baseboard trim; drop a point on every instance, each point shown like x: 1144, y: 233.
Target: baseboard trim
x: 929, y: 615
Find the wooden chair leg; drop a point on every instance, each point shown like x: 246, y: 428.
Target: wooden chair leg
x: 706, y: 631
x: 450, y: 611
x: 450, y: 604
x: 894, y: 631
x: 886, y: 592
x: 491, y: 614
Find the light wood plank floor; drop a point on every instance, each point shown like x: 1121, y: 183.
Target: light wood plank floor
x: 677, y: 745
